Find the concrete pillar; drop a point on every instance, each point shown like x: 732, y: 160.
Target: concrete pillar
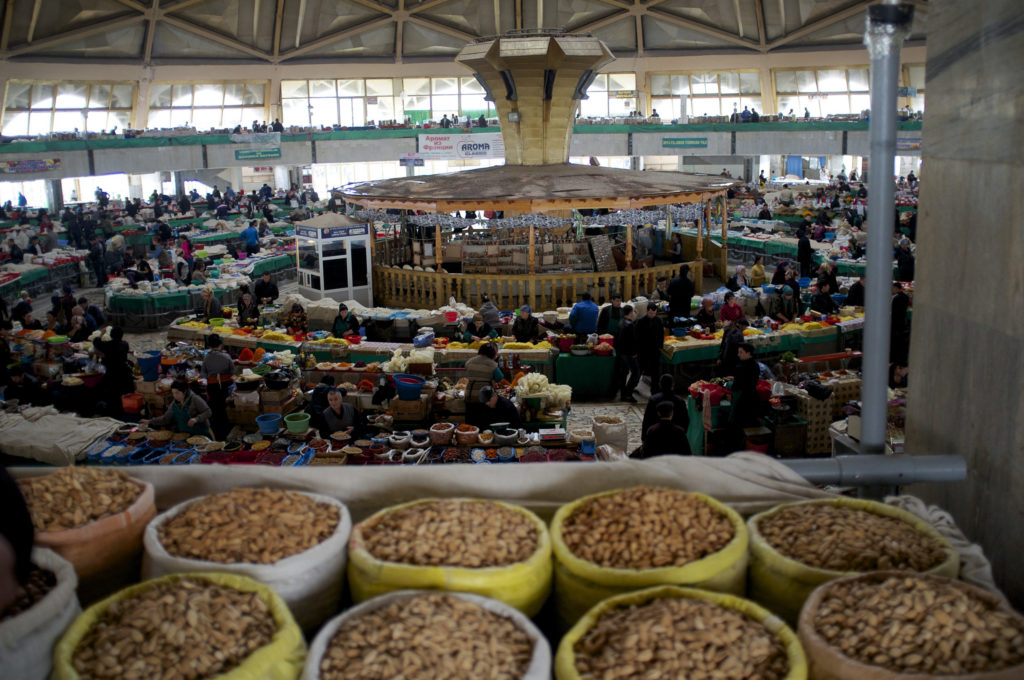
x: 282, y: 178
x: 179, y: 183
x: 54, y: 196
x: 967, y: 367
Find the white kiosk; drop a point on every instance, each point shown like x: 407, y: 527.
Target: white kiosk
x: 334, y: 258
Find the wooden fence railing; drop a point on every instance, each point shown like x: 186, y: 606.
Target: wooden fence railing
x: 395, y: 287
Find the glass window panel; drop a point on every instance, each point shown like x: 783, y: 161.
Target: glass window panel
x: 350, y: 88
x: 159, y: 118
x: 667, y: 107
x: 324, y: 111
x: 18, y: 97
x: 754, y: 103
x: 39, y: 123
x: 345, y: 119
x: 96, y: 121
x: 121, y: 119
x: 788, y: 103
x: 728, y: 104
x: 72, y: 96
x: 210, y: 94
x: 860, y: 102
x: 15, y: 124
x: 206, y: 118
x: 680, y: 84
x: 231, y: 117
x: 661, y: 85
x: 750, y: 83
x: 295, y: 112
x: 234, y: 93
x: 253, y: 113
x: 600, y: 83
x: 832, y: 80
x: 417, y: 103
x: 291, y: 89
x: 383, y: 109
x: 442, y: 104
x: 730, y: 83
x: 359, y: 267
x: 704, y: 83
x: 99, y: 97
x: 322, y: 88
x: 916, y: 103
x: 445, y: 85
x: 121, y: 97
x: 812, y: 105
x: 416, y: 86
x: 473, y: 105
x: 706, y: 106
x: 159, y: 96
x: 805, y: 82
x: 470, y: 86
x: 785, y: 81
x: 916, y: 74
x: 255, y: 94
x: 181, y: 95
x: 621, y: 81
x: 181, y: 117
x: 621, y: 107
x: 42, y: 98
x: 859, y: 80
x: 380, y: 86
x: 67, y: 121
x: 595, y: 106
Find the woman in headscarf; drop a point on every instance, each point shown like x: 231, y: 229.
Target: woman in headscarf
x: 478, y: 329
x: 490, y: 312
x: 209, y: 306
x: 297, y: 320
x: 779, y: 277
x: 706, y: 313
x: 786, y: 306
x: 248, y: 312
x: 526, y: 328
x: 739, y: 279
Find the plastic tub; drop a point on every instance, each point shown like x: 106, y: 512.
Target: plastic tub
x: 217, y: 321
x: 149, y: 364
x: 132, y: 403
x: 297, y: 423
x: 451, y: 317
x: 269, y: 423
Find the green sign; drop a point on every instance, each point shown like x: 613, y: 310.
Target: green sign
x: 256, y: 154
x: 684, y: 142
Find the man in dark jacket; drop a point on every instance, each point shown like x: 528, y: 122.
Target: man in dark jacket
x: 680, y: 292
x: 804, y: 253
x: 96, y: 260
x: 855, y: 296
x: 666, y: 393
x: 905, y: 261
x: 265, y: 290
x: 626, y: 353
x: 743, y: 412
x: 16, y: 253
x: 650, y: 338
x: 611, y: 316
x: 93, y: 312
x: 731, y: 339
x: 898, y: 332
x: 822, y: 301
x: 665, y: 436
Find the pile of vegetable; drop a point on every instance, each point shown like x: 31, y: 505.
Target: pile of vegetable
x: 537, y: 385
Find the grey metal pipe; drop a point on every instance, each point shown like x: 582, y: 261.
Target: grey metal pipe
x: 887, y: 26
x: 866, y: 470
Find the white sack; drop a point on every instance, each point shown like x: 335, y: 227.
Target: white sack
x: 612, y: 432
x: 45, y: 435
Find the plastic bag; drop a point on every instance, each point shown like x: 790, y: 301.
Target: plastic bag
x: 310, y: 582
x: 540, y: 662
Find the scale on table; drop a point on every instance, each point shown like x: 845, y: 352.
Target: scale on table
x: 551, y: 434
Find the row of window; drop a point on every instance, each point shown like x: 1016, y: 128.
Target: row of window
x: 41, y: 108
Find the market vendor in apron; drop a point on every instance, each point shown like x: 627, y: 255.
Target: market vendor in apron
x: 209, y: 306
x: 345, y: 323
x: 481, y: 371
x: 187, y: 413
x: 218, y: 369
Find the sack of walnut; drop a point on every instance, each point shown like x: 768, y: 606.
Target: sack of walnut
x: 619, y: 541
x: 184, y: 625
x: 898, y: 625
x: 295, y: 542
x: 485, y: 547
x: 796, y: 547
x: 421, y: 635
x: 27, y: 638
x: 672, y: 632
x: 94, y: 518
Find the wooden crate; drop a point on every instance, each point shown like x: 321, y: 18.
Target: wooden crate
x: 818, y: 414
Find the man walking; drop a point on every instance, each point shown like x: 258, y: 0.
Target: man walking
x: 626, y: 350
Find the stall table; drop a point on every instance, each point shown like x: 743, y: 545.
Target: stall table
x: 590, y: 377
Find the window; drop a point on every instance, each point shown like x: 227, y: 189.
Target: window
x: 432, y: 98
x: 708, y: 94
x: 609, y: 96
x: 206, y: 106
x: 913, y: 76
x: 39, y: 108
x: 833, y: 91
x: 349, y: 102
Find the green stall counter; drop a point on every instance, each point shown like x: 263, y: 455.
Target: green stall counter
x: 590, y: 377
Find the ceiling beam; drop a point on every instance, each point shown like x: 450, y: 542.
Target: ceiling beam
x: 147, y: 55
x: 32, y: 22
x: 181, y: 5
x: 278, y: 19
x: 5, y: 34
x: 399, y: 40
x: 84, y: 31
x: 298, y: 23
x: 384, y: 9
x: 441, y: 28
x: 617, y: 3
x: 334, y: 37
x: 423, y: 6
x: 824, y: 22
x: 759, y: 14
x: 216, y: 37
x: 600, y: 23
x: 137, y: 6
x: 703, y: 28
x: 639, y: 22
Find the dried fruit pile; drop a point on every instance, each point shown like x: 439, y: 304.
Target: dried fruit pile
x: 645, y: 527
x: 259, y: 526
x: 679, y: 638
x: 190, y: 628
x: 849, y: 539
x: 451, y: 533
x: 426, y: 637
x: 40, y: 582
x: 72, y: 497
x: 919, y: 625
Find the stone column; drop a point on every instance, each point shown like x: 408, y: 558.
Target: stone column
x: 967, y: 365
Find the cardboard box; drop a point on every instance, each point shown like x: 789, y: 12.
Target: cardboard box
x: 146, y: 387
x: 410, y: 410
x: 242, y: 415
x: 276, y: 397
x: 283, y: 408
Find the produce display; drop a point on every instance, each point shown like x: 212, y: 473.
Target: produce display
x: 849, y: 539
x: 71, y: 497
x: 918, y: 624
x: 679, y: 638
x: 258, y: 526
x: 645, y: 527
x: 40, y: 582
x: 537, y: 384
x: 425, y: 637
x: 451, y: 533
x: 189, y: 628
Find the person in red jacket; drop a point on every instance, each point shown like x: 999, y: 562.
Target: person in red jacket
x: 731, y: 311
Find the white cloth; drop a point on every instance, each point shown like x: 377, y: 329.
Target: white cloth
x: 45, y: 435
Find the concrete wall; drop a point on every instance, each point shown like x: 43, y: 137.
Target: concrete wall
x: 967, y: 364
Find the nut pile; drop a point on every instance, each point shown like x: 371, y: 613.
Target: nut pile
x: 75, y: 496
x: 451, y: 533
x: 848, y: 539
x: 679, y: 638
x: 645, y: 527
x: 919, y: 625
x: 259, y: 526
x: 188, y: 629
x: 40, y: 582
x: 426, y: 637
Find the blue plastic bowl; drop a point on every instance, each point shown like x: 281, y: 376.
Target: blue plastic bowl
x: 269, y: 423
x: 409, y: 387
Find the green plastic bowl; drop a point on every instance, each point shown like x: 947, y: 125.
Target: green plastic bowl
x: 297, y: 423
x: 57, y: 339
x: 216, y: 321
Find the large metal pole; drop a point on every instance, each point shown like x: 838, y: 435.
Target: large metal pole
x: 887, y: 26
x: 879, y: 470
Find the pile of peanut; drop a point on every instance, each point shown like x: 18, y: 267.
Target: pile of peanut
x: 38, y: 585
x: 912, y: 624
x: 679, y: 638
x: 645, y: 527
x: 190, y: 629
x: 72, y: 497
x: 848, y: 539
x: 258, y: 526
x: 451, y: 533
x: 427, y: 637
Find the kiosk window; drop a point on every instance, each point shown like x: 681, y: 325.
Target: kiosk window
x: 334, y: 248
x: 335, y: 274
x: 359, y: 269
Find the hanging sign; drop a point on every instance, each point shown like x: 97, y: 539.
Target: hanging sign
x: 623, y: 94
x: 906, y: 92
x: 410, y: 160
x: 332, y: 232
x: 908, y: 144
x: 30, y: 165
x: 684, y: 142
x: 461, y: 146
x: 256, y: 154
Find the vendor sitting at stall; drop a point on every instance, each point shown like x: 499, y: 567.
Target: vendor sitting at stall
x: 610, y: 316
x: 188, y: 412
x: 265, y: 290
x: 478, y: 330
x: 730, y: 311
x: 143, y: 272
x: 248, y: 312
x: 822, y: 301
x: 526, y: 328
x: 345, y: 323
x: 786, y: 306
x: 297, y: 321
x: 199, y: 274
x: 583, y: 316
x: 24, y: 387
x: 660, y: 293
x: 78, y: 330
x: 209, y: 306
x: 492, y: 317
x: 482, y: 370
x: 30, y: 323
x: 53, y: 324
x: 494, y: 409
x: 706, y: 312
x: 339, y: 416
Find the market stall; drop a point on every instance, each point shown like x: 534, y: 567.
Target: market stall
x: 335, y: 258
